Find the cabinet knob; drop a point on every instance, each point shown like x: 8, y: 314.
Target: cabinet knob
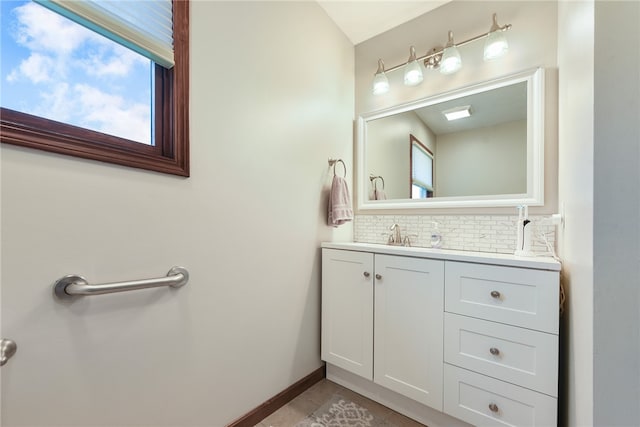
x: 378, y: 276
x: 494, y: 408
x: 495, y: 294
x: 366, y: 274
x: 494, y: 351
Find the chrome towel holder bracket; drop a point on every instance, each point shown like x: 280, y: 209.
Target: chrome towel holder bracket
x: 374, y: 179
x: 332, y: 162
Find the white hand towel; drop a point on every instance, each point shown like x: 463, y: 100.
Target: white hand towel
x: 379, y: 194
x: 340, y: 210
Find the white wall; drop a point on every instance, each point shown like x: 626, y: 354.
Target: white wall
x: 271, y: 100
x: 599, y: 164
x: 486, y: 161
x: 616, y: 216
x: 532, y: 43
x: 575, y: 60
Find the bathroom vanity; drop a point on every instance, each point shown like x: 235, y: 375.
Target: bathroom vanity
x: 443, y: 336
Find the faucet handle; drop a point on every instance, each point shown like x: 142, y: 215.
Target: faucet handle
x: 390, y: 238
x: 407, y: 239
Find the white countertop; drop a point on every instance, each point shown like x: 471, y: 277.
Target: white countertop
x: 538, y: 262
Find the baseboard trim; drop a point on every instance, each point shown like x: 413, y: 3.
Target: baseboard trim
x: 279, y: 400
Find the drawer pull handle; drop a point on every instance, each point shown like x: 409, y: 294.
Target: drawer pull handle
x: 494, y: 351
x: 495, y: 294
x: 366, y: 274
x: 378, y: 276
x: 494, y: 408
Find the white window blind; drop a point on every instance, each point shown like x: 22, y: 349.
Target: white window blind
x: 421, y: 168
x: 145, y: 26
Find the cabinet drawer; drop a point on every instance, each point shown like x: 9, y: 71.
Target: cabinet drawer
x: 485, y: 401
x: 516, y: 355
x: 515, y: 296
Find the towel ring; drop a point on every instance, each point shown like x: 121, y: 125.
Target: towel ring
x: 332, y: 162
x: 373, y: 180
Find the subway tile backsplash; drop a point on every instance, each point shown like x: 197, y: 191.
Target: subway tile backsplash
x: 482, y: 233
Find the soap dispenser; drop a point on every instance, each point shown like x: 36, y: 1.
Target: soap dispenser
x: 523, y: 241
x: 436, y: 237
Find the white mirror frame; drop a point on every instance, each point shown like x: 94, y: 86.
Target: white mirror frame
x: 535, y: 149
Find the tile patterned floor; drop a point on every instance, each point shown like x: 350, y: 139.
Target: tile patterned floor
x: 321, y: 392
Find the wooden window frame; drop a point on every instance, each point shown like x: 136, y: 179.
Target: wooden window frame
x: 169, y: 154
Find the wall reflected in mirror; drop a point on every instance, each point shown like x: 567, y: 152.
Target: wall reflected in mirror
x: 420, y: 154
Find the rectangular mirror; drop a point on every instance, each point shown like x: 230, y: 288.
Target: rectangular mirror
x: 413, y: 156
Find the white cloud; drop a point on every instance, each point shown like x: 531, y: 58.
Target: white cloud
x: 91, y: 108
x: 37, y: 68
x: 112, y: 114
x: 115, y: 60
x: 68, y: 46
x: 56, y: 103
x: 42, y: 30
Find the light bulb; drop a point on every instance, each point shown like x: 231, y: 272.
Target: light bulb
x: 450, y: 61
x: 412, y: 71
x: 412, y: 74
x: 380, y: 81
x: 380, y: 84
x: 495, y: 46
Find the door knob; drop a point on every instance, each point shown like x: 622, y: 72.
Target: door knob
x: 7, y: 350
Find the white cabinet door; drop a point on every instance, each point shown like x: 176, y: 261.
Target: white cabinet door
x: 347, y: 310
x: 409, y: 303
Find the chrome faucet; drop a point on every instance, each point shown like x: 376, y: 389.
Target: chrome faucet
x: 395, y: 238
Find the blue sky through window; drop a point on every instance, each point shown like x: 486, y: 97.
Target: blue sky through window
x: 56, y: 69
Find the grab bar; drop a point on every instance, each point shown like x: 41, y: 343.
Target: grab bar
x: 74, y: 285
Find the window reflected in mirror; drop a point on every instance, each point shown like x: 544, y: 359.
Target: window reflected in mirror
x: 421, y: 169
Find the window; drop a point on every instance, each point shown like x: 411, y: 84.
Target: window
x: 421, y: 169
x: 160, y: 138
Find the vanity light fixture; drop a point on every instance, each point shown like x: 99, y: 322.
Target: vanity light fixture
x: 450, y: 61
x: 446, y: 59
x: 495, y: 45
x: 457, y: 113
x: 380, y: 81
x: 412, y: 71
